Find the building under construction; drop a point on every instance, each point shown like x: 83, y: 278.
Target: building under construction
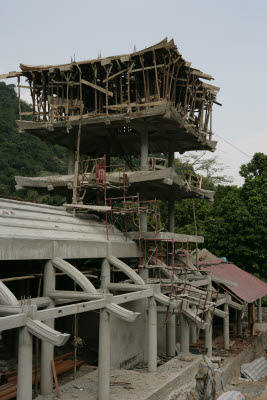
x: 100, y: 268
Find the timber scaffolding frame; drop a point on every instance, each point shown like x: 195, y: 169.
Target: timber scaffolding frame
x: 113, y: 96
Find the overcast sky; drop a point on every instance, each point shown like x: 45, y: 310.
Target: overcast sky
x: 227, y: 39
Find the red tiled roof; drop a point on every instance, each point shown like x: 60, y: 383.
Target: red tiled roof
x: 249, y: 287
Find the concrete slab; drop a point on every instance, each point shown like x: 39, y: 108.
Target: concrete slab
x: 132, y: 384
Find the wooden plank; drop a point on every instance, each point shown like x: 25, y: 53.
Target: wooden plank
x: 55, y: 378
x: 102, y: 90
x: 152, y: 104
x: 147, y: 68
x: 114, y: 75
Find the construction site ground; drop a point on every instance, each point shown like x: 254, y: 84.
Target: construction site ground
x: 174, y: 380
x: 137, y: 385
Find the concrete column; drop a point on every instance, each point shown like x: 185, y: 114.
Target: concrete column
x: 104, y: 356
x: 259, y: 311
x: 144, y: 149
x: 193, y: 328
x: 208, y: 329
x: 47, y: 349
x: 171, y: 336
x: 239, y: 323
x: 144, y: 167
x: 226, y: 333
x: 249, y: 316
x: 184, y: 331
x: 105, y: 273
x: 171, y: 153
x: 71, y: 161
x: 24, y: 391
x: 152, y: 335
x: 171, y: 212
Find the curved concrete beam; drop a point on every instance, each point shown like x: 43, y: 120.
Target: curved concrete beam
x: 161, y: 298
x: 6, y: 296
x: 87, y: 286
x: 126, y: 269
x: 43, y: 332
x: 74, y: 273
x: 122, y: 313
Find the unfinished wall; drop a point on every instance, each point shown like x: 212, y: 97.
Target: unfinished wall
x: 128, y: 340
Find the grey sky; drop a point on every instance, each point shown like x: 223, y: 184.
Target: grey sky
x: 227, y: 39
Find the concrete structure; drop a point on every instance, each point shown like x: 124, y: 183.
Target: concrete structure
x: 133, y: 105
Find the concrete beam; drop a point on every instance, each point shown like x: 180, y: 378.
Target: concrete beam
x: 12, y: 321
x: 74, y: 295
x: 74, y: 274
x: 45, y: 333
x: 127, y: 287
x: 138, y: 295
x: 126, y: 269
x: 122, y: 313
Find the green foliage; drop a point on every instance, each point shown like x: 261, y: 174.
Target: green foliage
x: 24, y: 154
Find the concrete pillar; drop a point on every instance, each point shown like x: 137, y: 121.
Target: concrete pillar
x: 184, y: 332
x: 171, y: 335
x: 171, y: 212
x: 144, y: 149
x: 24, y: 385
x: 239, y: 323
x: 208, y: 329
x: 144, y: 167
x: 250, y: 317
x: 105, y: 273
x: 226, y: 333
x: 152, y: 335
x: 104, y: 356
x: 259, y: 311
x: 193, y: 328
x: 171, y: 153
x: 208, y: 334
x: 47, y: 349
x: 71, y: 161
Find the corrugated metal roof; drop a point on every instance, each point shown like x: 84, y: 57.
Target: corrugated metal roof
x: 249, y: 287
x: 255, y: 370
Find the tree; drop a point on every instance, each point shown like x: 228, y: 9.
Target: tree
x: 24, y: 154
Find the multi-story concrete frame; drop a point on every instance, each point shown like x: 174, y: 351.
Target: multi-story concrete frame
x: 140, y: 104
